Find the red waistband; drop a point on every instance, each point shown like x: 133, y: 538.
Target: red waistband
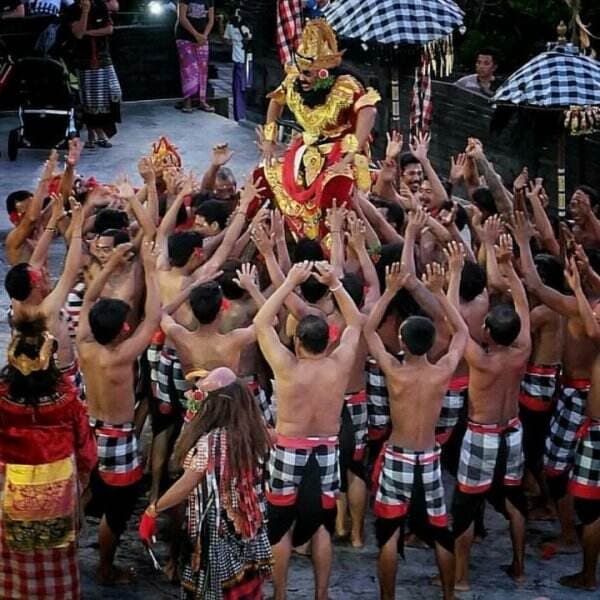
x: 585, y: 427
x: 458, y: 384
x: 356, y: 398
x: 494, y: 427
x: 535, y: 403
x: 306, y: 443
x: 111, y: 430
x: 542, y: 369
x: 577, y: 384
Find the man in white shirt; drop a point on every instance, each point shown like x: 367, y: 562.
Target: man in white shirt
x: 483, y: 81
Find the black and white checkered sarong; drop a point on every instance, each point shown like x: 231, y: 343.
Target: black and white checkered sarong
x: 287, y: 464
x: 585, y: 477
x: 568, y: 417
x: 394, y: 476
x: 172, y: 384
x: 479, y: 456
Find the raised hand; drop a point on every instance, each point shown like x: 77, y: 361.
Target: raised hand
x: 434, y: 278
x: 58, y: 209
x: 455, y: 255
x: 335, y: 217
x: 76, y: 213
x: 504, y: 250
x: 125, y: 188
x: 357, y: 233
x: 146, y: 169
x: 246, y: 276
x: 261, y: 239
x: 250, y: 191
x: 417, y: 220
x: 325, y: 274
x: 395, y: 277
x: 419, y: 146
x: 521, y: 228
x: 491, y: 230
x: 221, y: 155
x: 521, y: 181
x: 394, y: 145
x: 387, y: 171
x: 457, y: 168
x: 572, y: 275
x: 448, y: 217
x: 277, y: 225
x: 121, y: 254
x: 474, y: 149
x: 74, y: 153
x: 300, y: 272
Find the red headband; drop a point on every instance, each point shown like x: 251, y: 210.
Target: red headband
x: 225, y: 305
x: 35, y: 276
x: 14, y: 217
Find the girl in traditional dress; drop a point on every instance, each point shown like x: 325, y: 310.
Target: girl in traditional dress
x: 223, y: 449
x: 47, y: 451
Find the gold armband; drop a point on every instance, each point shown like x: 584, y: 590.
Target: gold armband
x: 350, y: 144
x: 271, y: 130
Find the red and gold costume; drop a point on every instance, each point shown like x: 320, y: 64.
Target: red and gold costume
x: 302, y: 183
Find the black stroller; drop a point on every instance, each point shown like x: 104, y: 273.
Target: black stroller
x: 47, y: 104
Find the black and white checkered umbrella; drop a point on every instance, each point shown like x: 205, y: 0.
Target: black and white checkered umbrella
x: 557, y: 79
x: 397, y: 22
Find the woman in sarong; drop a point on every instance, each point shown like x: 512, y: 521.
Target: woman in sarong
x: 222, y: 449
x: 99, y: 86
x: 47, y: 452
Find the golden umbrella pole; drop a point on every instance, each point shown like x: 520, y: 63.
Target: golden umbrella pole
x: 395, y: 83
x: 560, y: 174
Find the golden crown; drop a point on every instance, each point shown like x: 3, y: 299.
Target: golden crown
x: 318, y: 48
x: 22, y: 362
x: 164, y: 155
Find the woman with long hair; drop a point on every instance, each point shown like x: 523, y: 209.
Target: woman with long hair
x: 47, y: 452
x: 222, y: 450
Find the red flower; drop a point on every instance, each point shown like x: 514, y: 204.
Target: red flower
x: 323, y: 73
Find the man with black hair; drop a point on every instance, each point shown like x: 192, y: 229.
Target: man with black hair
x: 108, y: 350
x: 27, y: 286
x: 583, y: 207
x: 218, y: 182
x: 484, y: 80
x: 578, y: 356
x: 540, y: 382
x: 304, y: 463
x: 491, y: 459
x: 584, y: 479
x: 408, y: 470
x: 211, y: 217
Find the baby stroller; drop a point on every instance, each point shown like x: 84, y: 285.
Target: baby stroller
x: 46, y: 105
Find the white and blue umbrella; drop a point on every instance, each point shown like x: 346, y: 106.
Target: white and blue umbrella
x: 560, y: 79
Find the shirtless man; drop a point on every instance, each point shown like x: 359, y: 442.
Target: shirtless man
x: 584, y: 480
x: 107, y: 350
x: 25, y: 210
x: 569, y: 414
x: 493, y: 441
x: 540, y: 382
x: 27, y: 286
x: 304, y: 463
x: 411, y: 458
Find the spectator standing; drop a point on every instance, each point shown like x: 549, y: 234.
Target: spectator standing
x: 484, y: 80
x: 195, y: 20
x: 91, y: 25
x: 240, y: 36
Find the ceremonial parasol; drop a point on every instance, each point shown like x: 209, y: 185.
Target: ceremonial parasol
x: 561, y: 80
x: 423, y: 24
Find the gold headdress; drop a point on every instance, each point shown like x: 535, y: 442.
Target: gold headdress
x: 164, y: 155
x: 23, y: 363
x: 318, y: 48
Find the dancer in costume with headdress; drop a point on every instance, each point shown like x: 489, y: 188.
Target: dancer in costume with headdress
x: 47, y: 452
x: 336, y: 114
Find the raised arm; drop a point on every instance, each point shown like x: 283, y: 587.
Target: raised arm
x: 58, y: 296
x: 357, y: 241
x: 79, y: 28
x: 420, y: 150
x: 40, y: 252
x: 592, y: 329
x: 395, y: 279
x: 434, y: 280
x: 540, y: 218
x: 136, y: 344
x: 146, y: 171
x: 336, y: 218
x: 455, y: 256
x: 71, y: 160
x: 141, y: 215
x: 119, y: 257
x: 277, y: 355
x: 504, y: 253
x: 221, y: 155
x: 561, y: 303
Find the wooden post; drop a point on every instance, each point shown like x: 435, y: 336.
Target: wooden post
x: 395, y: 83
x: 560, y: 174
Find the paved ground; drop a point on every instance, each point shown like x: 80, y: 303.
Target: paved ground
x: 354, y: 574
